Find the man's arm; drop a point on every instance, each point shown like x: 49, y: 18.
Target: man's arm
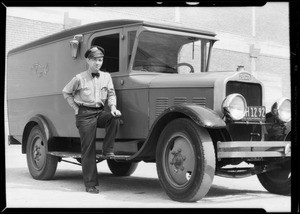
x: 112, y: 99
x: 68, y: 93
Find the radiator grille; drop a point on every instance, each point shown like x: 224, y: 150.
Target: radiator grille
x: 251, y: 91
x: 253, y: 95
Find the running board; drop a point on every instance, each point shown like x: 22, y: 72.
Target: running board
x: 78, y: 155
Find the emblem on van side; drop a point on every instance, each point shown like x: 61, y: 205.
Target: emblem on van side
x: 245, y: 76
x: 39, y: 69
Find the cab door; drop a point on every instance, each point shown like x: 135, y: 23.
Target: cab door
x: 131, y: 100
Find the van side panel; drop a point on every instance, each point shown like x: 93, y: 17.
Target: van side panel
x: 54, y: 108
x: 35, y: 79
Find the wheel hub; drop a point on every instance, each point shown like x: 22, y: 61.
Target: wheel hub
x: 36, y: 153
x: 178, y: 160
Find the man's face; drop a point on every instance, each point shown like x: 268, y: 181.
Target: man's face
x: 95, y: 63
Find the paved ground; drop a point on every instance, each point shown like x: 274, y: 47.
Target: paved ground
x: 141, y: 190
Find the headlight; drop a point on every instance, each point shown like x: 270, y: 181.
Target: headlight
x: 234, y: 106
x: 281, y: 109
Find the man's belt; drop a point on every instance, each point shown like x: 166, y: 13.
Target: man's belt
x: 90, y: 107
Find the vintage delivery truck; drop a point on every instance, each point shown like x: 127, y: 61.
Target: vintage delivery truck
x: 192, y: 122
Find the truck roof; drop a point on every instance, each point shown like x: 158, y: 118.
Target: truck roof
x: 105, y: 25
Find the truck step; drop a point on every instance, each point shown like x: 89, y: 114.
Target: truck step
x: 78, y: 155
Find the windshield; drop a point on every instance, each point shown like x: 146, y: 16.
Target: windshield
x: 167, y: 53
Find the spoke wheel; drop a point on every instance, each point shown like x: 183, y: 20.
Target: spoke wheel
x: 185, y: 160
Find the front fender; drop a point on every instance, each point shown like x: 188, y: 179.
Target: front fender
x: 288, y: 131
x: 277, y: 130
x: 201, y: 115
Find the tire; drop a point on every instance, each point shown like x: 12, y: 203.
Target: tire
x: 41, y: 165
x: 277, y: 181
x: 185, y: 160
x: 122, y: 168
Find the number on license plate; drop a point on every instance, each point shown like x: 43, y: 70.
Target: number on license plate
x: 255, y: 113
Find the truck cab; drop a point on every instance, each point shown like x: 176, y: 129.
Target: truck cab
x: 192, y: 122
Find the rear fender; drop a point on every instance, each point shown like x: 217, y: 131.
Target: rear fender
x: 42, y: 122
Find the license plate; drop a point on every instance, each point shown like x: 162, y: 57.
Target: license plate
x: 255, y: 113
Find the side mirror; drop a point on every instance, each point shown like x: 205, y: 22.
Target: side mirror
x: 75, y: 45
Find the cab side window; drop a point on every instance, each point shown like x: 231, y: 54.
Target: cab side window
x: 111, y: 45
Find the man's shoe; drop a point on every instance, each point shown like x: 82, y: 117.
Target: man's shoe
x: 92, y: 190
x: 108, y: 154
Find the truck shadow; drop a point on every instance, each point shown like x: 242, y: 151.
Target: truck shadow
x: 130, y: 188
x: 220, y: 191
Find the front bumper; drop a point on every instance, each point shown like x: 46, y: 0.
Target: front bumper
x: 253, y: 149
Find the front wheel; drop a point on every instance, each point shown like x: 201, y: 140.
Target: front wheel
x: 41, y: 165
x: 185, y: 160
x: 277, y: 181
x: 121, y: 168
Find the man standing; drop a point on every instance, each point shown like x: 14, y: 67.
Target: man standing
x: 87, y: 93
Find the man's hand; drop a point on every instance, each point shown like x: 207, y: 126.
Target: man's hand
x: 115, y: 112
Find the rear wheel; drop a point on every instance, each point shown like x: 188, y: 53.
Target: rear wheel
x: 41, y: 165
x: 185, y: 160
x: 121, y: 168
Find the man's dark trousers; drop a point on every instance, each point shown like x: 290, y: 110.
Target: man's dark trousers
x: 87, y: 122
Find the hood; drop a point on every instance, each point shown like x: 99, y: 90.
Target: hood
x: 207, y: 79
